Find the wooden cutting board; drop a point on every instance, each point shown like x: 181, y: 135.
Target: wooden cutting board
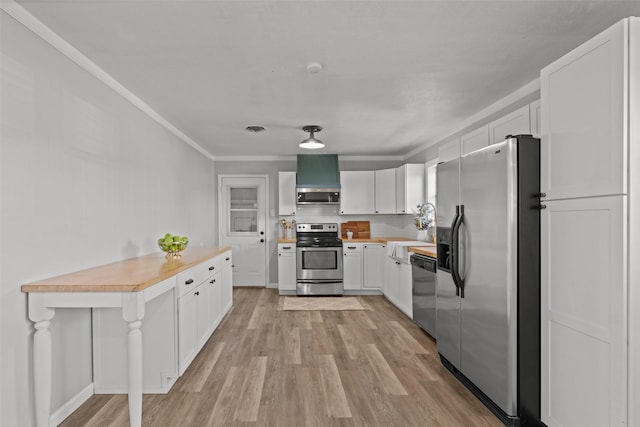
x: 361, y: 229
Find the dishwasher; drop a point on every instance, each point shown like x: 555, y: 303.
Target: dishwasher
x: 423, y: 270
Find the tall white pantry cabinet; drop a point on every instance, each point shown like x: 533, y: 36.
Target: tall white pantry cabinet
x: 590, y: 185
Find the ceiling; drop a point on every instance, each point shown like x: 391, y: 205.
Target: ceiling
x: 396, y: 75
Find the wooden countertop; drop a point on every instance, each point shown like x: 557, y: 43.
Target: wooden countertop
x: 383, y: 240
x: 132, y: 275
x: 429, y: 251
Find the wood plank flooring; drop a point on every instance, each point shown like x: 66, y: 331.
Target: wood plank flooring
x: 265, y: 367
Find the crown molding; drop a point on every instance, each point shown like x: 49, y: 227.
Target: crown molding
x: 294, y: 158
x: 45, y: 33
x: 525, y: 91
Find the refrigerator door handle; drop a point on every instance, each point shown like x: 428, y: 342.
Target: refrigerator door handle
x: 455, y: 234
x: 453, y: 250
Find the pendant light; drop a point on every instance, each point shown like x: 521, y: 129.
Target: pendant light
x: 311, y: 142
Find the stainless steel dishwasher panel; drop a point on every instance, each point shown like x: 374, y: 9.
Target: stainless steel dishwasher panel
x: 424, y: 292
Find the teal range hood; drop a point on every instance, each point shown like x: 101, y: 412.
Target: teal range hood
x: 318, y: 171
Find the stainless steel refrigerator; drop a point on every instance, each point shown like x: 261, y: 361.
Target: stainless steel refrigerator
x: 488, y: 276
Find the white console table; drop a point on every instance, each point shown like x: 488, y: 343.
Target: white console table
x: 128, y: 285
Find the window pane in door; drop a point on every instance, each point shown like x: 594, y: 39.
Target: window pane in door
x: 243, y: 198
x: 244, y: 221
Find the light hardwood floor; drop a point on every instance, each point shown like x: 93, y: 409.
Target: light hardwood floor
x: 265, y: 367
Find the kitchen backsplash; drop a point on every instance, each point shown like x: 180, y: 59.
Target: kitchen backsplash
x: 381, y: 225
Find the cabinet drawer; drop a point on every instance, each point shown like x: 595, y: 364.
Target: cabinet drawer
x: 286, y: 247
x: 190, y: 279
x: 351, y: 247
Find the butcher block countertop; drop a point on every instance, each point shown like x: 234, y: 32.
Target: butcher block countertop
x: 383, y: 240
x: 429, y: 251
x: 132, y: 275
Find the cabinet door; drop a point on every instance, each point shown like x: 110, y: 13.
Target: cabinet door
x: 474, y: 140
x: 385, y: 191
x: 203, y: 326
x: 449, y: 150
x: 286, y: 193
x: 584, y: 106
x: 373, y: 266
x: 535, y: 118
x: 389, y: 276
x: 187, y: 332
x: 357, y: 192
x: 226, y: 289
x: 583, y: 306
x: 401, y: 188
x: 405, y: 292
x: 286, y: 267
x: 352, y: 266
x: 514, y: 123
x: 214, y: 300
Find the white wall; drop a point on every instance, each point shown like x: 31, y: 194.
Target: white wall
x: 86, y: 179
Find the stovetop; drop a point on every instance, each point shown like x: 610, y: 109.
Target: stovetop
x: 321, y: 235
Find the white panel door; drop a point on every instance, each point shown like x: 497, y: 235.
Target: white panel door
x: 243, y: 227
x: 583, y: 306
x: 584, y: 144
x: 357, y: 192
x: 475, y: 140
x: 514, y: 123
x: 385, y: 188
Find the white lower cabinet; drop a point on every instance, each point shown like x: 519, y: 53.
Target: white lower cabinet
x: 373, y: 266
x: 286, y: 267
x: 583, y: 306
x: 175, y: 327
x: 352, y: 265
x: 398, y: 285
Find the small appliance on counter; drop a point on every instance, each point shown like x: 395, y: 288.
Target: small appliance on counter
x: 319, y: 269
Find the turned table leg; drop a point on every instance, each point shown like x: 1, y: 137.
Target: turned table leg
x: 41, y: 317
x: 133, y: 312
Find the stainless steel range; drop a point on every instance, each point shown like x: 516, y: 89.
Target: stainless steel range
x: 318, y: 260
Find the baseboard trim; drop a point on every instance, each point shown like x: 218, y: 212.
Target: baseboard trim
x: 70, y: 406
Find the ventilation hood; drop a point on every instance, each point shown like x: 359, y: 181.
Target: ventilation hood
x: 318, y: 171
x: 318, y: 179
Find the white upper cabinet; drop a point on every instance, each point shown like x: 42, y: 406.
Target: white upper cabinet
x: 409, y: 187
x: 514, y: 123
x: 385, y: 189
x: 286, y: 193
x: 357, y: 192
x: 535, y: 118
x: 472, y: 141
x: 584, y: 143
x: 449, y: 151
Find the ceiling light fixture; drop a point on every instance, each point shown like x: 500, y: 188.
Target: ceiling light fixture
x: 254, y: 129
x: 311, y: 142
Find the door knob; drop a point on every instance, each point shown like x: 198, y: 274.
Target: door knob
x: 262, y: 233
x: 261, y: 240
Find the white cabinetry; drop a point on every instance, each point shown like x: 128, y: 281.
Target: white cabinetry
x: 357, y: 192
x: 535, y: 119
x: 353, y: 265
x: 385, y: 188
x: 409, y: 187
x: 398, y: 287
x: 286, y: 268
x: 475, y: 140
x: 286, y: 193
x: 590, y: 309
x: 373, y: 255
x: 514, y: 123
x: 449, y: 151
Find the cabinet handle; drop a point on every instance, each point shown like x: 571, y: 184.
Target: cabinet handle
x: 286, y: 247
x: 351, y: 247
x: 188, y: 282
x: 211, y: 268
x: 197, y: 293
x: 542, y: 206
x: 213, y: 281
x: 227, y: 259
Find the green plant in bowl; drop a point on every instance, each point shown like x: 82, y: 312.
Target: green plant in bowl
x: 173, y: 245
